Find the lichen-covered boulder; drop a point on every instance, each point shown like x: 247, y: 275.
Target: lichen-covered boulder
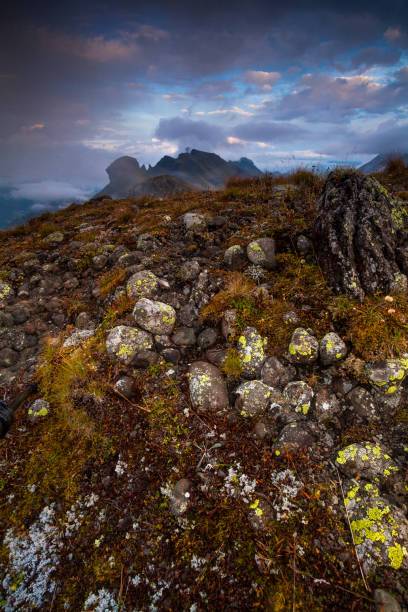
x: 251, y: 350
x: 54, y: 238
x: 303, y: 347
x: 142, y: 284
x: 367, y: 460
x: 234, y: 257
x: 208, y: 389
x: 253, y: 398
x: 299, y: 395
x: 154, y: 317
x: 6, y: 292
x: 380, y: 529
x: 39, y: 408
x: 262, y: 252
x: 276, y: 374
x: 360, y: 231
x: 332, y: 349
x: 386, y: 376
x: 125, y: 342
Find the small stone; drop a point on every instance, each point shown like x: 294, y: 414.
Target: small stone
x: 83, y: 321
x: 332, y: 349
x: 234, y: 257
x: 327, y: 406
x: 188, y: 315
x: 145, y: 358
x: 8, y: 357
x: 303, y: 244
x: 303, y: 347
x: 125, y: 386
x: 275, y: 374
x: 299, y: 395
x: 99, y: 262
x: 143, y: 284
x: 262, y: 252
x: 208, y: 389
x: 208, y: 337
x: 39, y: 408
x: 155, y: 317
x: 54, y: 238
x: 20, y: 315
x: 251, y: 350
x: 189, y: 270
x: 180, y: 497
x: 78, y: 337
x: 6, y: 292
x: 184, y: 336
x: 171, y: 355
x: 364, y: 404
x: 294, y: 436
x: 227, y: 323
x: 290, y: 317
x: 253, y: 398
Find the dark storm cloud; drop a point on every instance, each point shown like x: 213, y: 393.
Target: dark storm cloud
x: 190, y: 133
x: 374, y: 56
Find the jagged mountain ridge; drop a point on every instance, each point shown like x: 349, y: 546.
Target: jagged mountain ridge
x: 379, y: 162
x: 197, y: 168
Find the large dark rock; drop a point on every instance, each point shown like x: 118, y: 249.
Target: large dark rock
x: 361, y: 235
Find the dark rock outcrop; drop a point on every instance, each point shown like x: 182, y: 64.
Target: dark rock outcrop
x: 125, y: 175
x: 361, y: 236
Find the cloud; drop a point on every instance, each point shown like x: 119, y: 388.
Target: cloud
x: 374, y: 56
x: 50, y: 191
x: 186, y: 132
x: 270, y: 131
x: 261, y: 79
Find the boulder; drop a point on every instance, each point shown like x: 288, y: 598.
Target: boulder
x: 251, y: 350
x: 143, y: 284
x: 125, y: 342
x: 332, y: 349
x: 262, y: 252
x: 154, y: 317
x: 78, y: 337
x: 184, y: 336
x: 360, y: 232
x: 208, y: 389
x: 386, y: 376
x: 6, y: 292
x: 299, y: 395
x: 189, y: 270
x: 327, y: 406
x: 253, y: 398
x: 234, y: 257
x: 380, y: 529
x: 194, y: 222
x: 303, y: 347
x: 367, y: 460
x: 364, y: 404
x: 275, y: 374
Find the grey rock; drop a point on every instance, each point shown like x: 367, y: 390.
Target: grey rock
x: 125, y: 342
x: 188, y: 315
x: 180, y: 498
x: 162, y: 341
x: 295, y: 436
x: 143, y: 284
x: 6, y: 319
x: 332, y: 349
x: 155, y: 317
x: 20, y: 315
x: 125, y: 386
x: 208, y: 389
x: 276, y: 374
x: 290, y: 317
x: 8, y: 357
x: 303, y: 347
x: 78, y: 337
x: 207, y: 338
x: 234, y: 257
x: 369, y: 461
x: 253, y: 398
x: 251, y: 350
x: 327, y: 406
x: 386, y: 376
x: 195, y: 222
x: 129, y: 259
x: 145, y: 358
x: 171, y: 355
x: 54, y: 238
x: 6, y: 292
x: 364, y: 404
x: 303, y: 244
x: 299, y: 395
x: 83, y: 321
x: 189, y: 270
x: 38, y: 409
x: 227, y: 323
x: 385, y: 602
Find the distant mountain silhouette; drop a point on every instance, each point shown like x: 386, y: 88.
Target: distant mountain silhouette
x: 162, y: 186
x: 378, y: 163
x: 124, y: 176
x: 205, y: 170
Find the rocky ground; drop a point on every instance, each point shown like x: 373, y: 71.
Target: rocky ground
x: 214, y: 427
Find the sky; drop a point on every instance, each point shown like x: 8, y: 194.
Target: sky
x: 288, y: 83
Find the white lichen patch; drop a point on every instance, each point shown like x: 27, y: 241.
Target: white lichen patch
x: 287, y: 488
x: 102, y: 601
x: 33, y: 559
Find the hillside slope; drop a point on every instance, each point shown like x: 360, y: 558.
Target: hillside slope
x: 213, y: 425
